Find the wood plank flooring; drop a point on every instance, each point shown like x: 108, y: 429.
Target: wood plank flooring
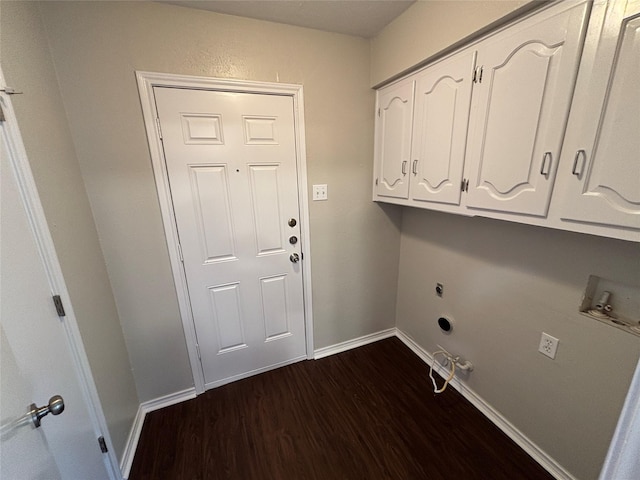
x: 369, y: 413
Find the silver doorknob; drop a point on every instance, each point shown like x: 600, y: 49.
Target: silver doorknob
x: 55, y: 407
x: 294, y: 257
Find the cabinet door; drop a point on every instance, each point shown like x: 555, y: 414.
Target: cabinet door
x: 602, y: 149
x: 520, y: 107
x: 393, y: 139
x: 443, y: 97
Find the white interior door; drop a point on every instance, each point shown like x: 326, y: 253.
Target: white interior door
x: 231, y: 163
x: 35, y: 355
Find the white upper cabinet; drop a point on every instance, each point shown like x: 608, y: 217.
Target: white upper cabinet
x: 441, y: 115
x: 522, y: 94
x: 537, y: 123
x: 601, y: 155
x: 393, y: 139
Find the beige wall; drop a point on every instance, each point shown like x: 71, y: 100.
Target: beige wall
x: 27, y: 67
x: 429, y: 27
x: 96, y: 48
x: 505, y: 284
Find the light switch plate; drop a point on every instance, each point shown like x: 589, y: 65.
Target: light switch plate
x: 320, y: 192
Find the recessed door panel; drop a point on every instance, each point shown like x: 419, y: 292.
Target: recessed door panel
x: 274, y: 307
x: 210, y: 198
x: 226, y: 312
x: 265, y: 199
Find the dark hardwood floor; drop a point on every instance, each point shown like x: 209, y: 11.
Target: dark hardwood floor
x: 369, y: 413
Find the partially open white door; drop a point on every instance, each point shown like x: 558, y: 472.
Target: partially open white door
x: 38, y: 356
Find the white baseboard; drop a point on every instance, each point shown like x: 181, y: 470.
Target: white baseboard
x: 356, y: 342
x: 138, y: 421
x: 539, y: 455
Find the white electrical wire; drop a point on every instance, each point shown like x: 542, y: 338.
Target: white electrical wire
x: 452, y: 372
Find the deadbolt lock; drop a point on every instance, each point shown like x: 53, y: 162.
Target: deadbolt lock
x: 293, y: 239
x: 292, y: 222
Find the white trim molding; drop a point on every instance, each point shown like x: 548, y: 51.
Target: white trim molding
x: 146, y: 82
x: 136, y: 429
x: 545, y: 460
x: 355, y: 343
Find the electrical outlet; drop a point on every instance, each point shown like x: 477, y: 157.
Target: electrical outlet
x: 320, y: 192
x: 548, y: 345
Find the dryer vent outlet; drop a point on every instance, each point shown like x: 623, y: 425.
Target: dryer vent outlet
x: 445, y: 325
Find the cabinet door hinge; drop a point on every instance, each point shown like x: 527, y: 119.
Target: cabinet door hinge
x: 180, y: 253
x: 378, y: 112
x: 159, y: 127
x: 464, y: 185
x: 103, y: 445
x: 376, y: 182
x: 57, y: 301
x: 198, y: 351
x: 2, y: 119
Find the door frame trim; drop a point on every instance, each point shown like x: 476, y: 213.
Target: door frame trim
x: 146, y: 81
x: 19, y: 161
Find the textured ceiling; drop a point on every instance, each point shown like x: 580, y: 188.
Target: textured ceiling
x: 363, y: 18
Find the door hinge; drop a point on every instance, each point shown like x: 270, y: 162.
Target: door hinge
x: 57, y: 301
x: 378, y: 112
x: 180, y: 253
x: 198, y: 351
x: 2, y: 119
x: 376, y: 181
x: 464, y: 185
x: 103, y: 445
x: 159, y: 127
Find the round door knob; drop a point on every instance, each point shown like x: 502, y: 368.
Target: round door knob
x: 55, y: 407
x: 294, y: 257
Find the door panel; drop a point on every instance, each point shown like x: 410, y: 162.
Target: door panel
x: 602, y: 162
x: 519, y: 112
x: 443, y: 96
x: 231, y: 162
x: 37, y: 360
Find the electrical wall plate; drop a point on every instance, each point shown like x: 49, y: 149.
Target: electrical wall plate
x: 320, y: 192
x: 548, y: 345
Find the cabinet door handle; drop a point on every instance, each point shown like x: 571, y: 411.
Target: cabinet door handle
x: 546, y: 171
x: 574, y: 170
x: 404, y: 167
x: 414, y: 169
